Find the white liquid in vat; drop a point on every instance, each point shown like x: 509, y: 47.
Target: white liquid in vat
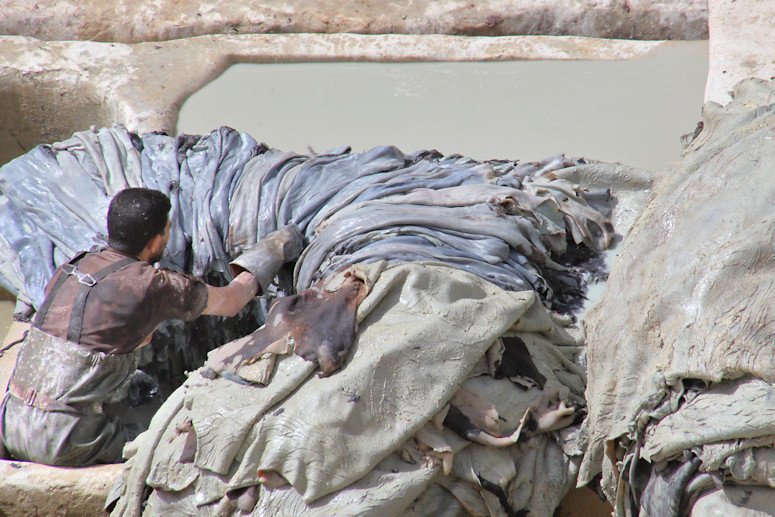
x: 630, y: 111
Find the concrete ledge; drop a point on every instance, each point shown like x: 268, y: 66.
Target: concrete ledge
x: 740, y: 46
x: 129, y: 21
x: 29, y: 489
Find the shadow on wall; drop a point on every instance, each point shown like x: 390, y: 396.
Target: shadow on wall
x: 36, y: 111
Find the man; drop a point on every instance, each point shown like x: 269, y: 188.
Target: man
x: 100, y: 308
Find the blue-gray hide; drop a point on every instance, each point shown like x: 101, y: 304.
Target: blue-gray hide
x: 501, y: 220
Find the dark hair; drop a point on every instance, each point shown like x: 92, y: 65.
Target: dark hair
x: 135, y: 215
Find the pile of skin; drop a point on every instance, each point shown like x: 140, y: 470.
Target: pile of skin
x: 500, y: 224
x: 501, y: 220
x: 680, y: 360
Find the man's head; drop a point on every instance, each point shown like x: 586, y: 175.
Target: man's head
x: 138, y: 218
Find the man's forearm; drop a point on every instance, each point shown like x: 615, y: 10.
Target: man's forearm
x: 228, y: 300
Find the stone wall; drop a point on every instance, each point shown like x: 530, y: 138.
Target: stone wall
x: 129, y: 21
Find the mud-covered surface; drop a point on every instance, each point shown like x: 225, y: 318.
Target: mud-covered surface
x: 126, y: 21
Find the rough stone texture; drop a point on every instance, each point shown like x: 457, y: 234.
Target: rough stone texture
x: 129, y: 21
x: 48, y: 90
x: 740, y: 45
x: 29, y: 489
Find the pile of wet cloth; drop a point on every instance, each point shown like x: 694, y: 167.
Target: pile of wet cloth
x: 427, y: 299
x: 680, y: 348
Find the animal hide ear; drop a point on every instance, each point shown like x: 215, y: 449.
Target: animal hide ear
x: 517, y: 364
x: 547, y: 413
x: 479, y: 411
x: 433, y: 444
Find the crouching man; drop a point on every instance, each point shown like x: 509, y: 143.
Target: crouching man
x: 100, y: 308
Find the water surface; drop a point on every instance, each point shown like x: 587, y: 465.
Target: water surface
x: 630, y: 111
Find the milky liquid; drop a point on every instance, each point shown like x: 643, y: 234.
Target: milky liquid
x: 630, y: 111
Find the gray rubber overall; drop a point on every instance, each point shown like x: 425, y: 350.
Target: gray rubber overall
x: 52, y: 412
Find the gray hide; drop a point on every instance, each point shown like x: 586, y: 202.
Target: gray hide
x: 504, y: 221
x: 681, y: 358
x: 363, y: 441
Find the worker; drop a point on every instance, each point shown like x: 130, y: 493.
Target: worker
x: 99, y: 309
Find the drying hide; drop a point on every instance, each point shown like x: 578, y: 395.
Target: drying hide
x: 370, y: 439
x: 317, y: 324
x: 681, y: 362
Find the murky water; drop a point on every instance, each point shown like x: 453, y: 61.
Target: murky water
x: 632, y: 111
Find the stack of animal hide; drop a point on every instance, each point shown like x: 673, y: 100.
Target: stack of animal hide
x: 507, y: 222
x: 503, y: 221
x: 443, y: 402
x: 425, y: 299
x: 681, y: 356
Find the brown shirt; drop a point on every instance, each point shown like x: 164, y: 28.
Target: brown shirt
x: 126, y: 306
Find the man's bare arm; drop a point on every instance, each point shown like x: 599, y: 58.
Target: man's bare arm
x: 228, y: 300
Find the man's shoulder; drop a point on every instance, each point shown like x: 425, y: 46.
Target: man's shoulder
x: 102, y: 258
x: 140, y: 272
x: 174, y: 272
x: 183, y: 291
x: 169, y: 277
